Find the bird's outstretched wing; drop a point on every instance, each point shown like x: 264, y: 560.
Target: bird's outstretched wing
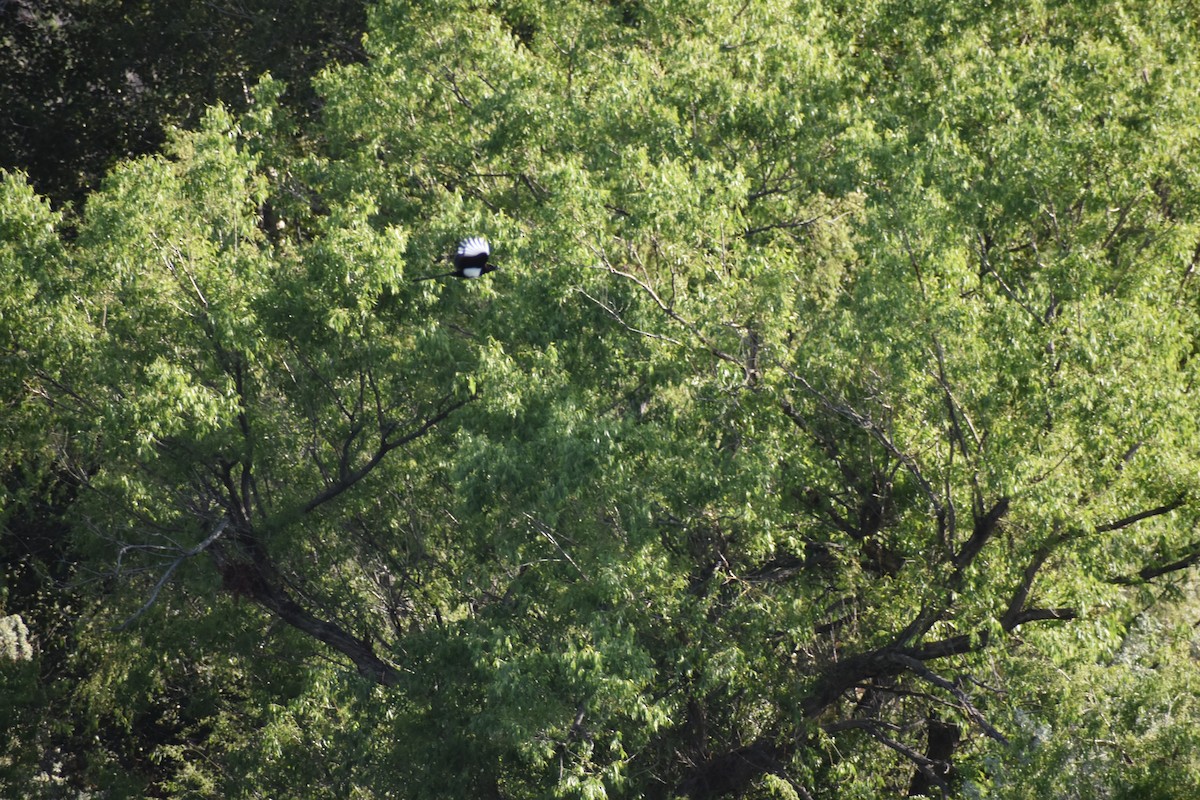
x: 470, y: 260
x: 472, y: 252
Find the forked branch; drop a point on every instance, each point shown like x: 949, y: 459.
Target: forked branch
x: 170, y: 570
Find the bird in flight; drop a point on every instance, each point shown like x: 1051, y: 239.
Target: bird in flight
x: 470, y: 260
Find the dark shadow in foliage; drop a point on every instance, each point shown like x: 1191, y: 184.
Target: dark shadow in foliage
x: 86, y: 83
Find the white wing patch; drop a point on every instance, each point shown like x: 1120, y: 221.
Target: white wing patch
x: 475, y: 246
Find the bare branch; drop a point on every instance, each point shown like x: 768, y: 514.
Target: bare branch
x: 1122, y: 217
x: 669, y: 310
x: 613, y: 313
x: 1016, y: 604
x: 954, y: 408
x: 987, y: 269
x: 985, y: 527
x: 969, y: 643
x: 1191, y: 268
x: 1043, y: 615
x: 869, y: 426
x: 874, y: 728
x: 348, y: 477
x: 789, y: 225
x: 259, y: 581
x: 547, y: 532
x: 921, y: 669
x: 197, y: 550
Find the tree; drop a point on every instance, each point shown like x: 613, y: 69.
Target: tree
x: 90, y: 82
x: 836, y: 384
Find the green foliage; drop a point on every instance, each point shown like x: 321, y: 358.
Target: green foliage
x: 830, y: 419
x: 1123, y: 728
x: 31, y: 260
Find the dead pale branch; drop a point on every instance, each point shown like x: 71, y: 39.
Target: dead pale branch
x: 170, y: 570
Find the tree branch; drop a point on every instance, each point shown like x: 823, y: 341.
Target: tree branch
x: 548, y: 532
x: 789, y: 225
x: 612, y: 312
x: 873, y: 429
x: 919, y: 668
x: 985, y: 526
x: 932, y: 769
x: 670, y: 311
x: 1020, y: 596
x: 1150, y: 573
x: 1125, y: 522
x: 253, y: 580
x: 195, y: 551
x: 347, y: 478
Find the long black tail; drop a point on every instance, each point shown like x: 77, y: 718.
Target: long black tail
x: 431, y: 277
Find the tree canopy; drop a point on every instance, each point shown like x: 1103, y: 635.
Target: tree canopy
x: 89, y: 82
x: 829, y: 428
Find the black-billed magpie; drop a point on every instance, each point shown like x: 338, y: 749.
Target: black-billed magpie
x: 470, y: 261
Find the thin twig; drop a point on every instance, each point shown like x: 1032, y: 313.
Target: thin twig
x: 613, y: 313
x: 548, y: 533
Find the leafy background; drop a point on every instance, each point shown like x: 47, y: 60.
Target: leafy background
x: 829, y: 429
